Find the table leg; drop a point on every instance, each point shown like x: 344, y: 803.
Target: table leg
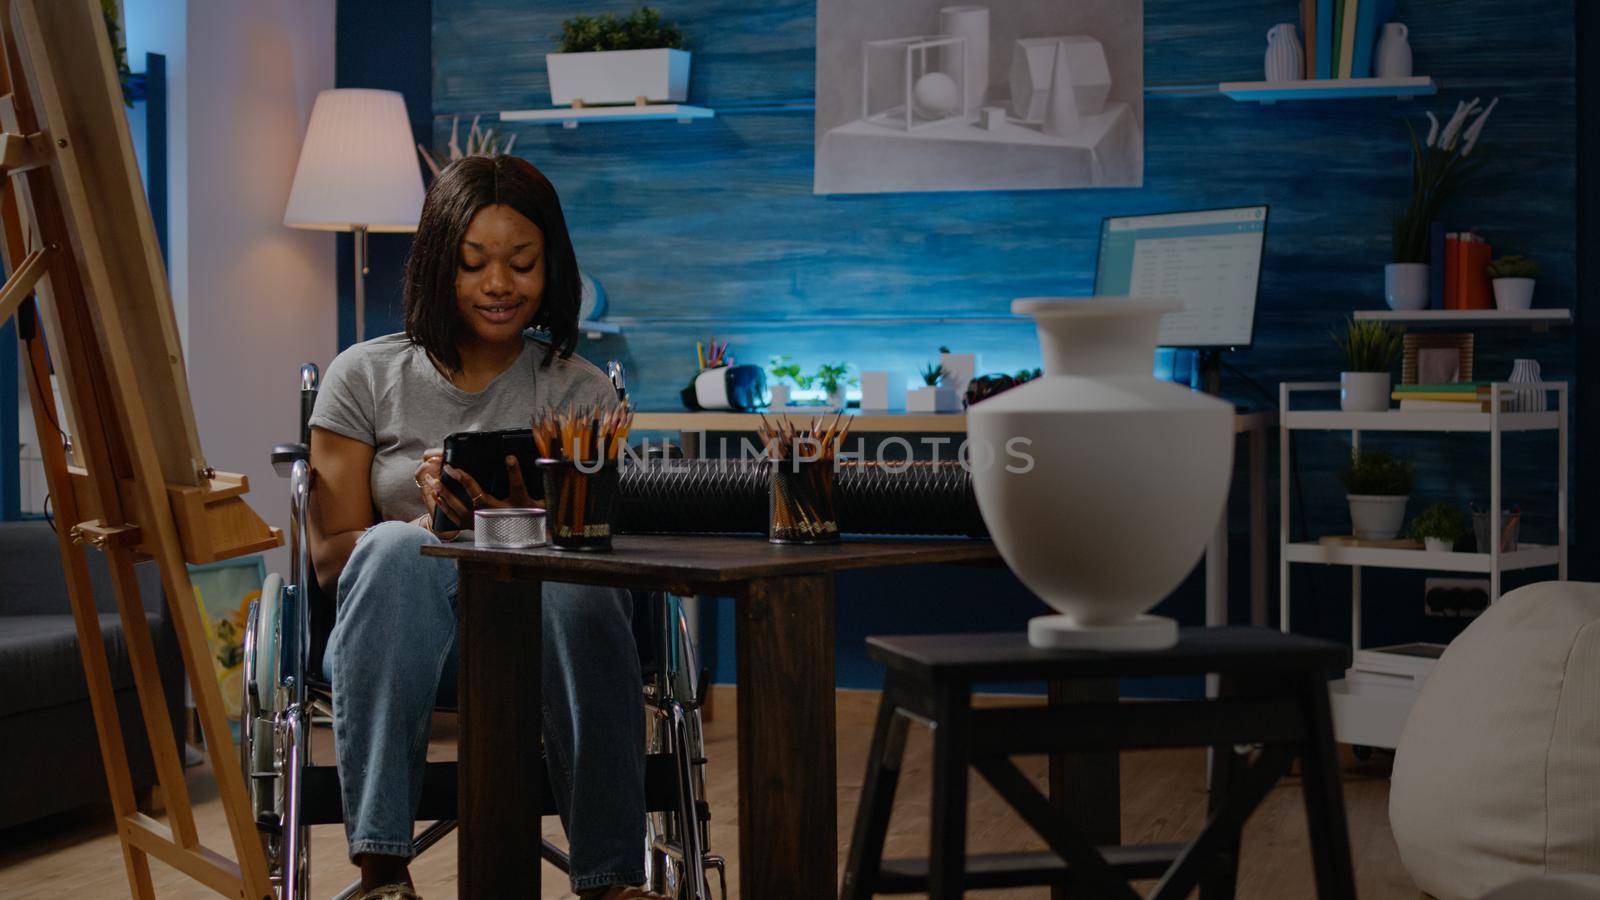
x: 788, y: 834
x: 1086, y: 788
x: 499, y: 769
x: 1258, y: 526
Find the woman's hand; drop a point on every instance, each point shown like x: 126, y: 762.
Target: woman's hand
x: 429, y: 482
x: 435, y: 494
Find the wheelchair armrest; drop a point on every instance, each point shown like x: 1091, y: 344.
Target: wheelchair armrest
x: 284, y: 457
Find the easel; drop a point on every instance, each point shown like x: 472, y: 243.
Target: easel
x: 131, y: 481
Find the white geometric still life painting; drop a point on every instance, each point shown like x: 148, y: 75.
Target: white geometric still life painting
x: 921, y: 95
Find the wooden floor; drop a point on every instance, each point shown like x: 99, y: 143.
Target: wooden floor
x: 1163, y: 799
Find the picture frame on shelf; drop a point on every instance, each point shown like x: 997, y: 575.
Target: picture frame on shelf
x: 1424, y: 356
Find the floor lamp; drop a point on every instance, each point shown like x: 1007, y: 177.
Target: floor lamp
x: 358, y: 172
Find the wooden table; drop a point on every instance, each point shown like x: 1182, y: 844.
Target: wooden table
x: 784, y: 609
x: 692, y: 428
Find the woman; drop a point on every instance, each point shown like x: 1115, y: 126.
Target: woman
x: 491, y: 258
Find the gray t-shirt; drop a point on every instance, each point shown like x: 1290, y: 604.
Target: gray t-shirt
x: 386, y: 393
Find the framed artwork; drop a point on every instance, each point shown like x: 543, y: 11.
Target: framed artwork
x: 921, y: 95
x: 223, y: 592
x: 1436, y: 358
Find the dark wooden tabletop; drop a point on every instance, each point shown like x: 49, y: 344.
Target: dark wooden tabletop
x: 712, y: 559
x: 1008, y: 656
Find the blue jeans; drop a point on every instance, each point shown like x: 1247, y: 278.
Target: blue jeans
x: 392, y: 657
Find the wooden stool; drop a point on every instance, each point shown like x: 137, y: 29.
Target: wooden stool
x: 1273, y: 693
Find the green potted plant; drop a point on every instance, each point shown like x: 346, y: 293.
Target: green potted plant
x: 833, y: 378
x: 934, y: 396
x: 1439, y: 527
x: 1370, y: 349
x: 1377, y: 486
x: 611, y: 59
x: 1439, y: 166
x: 782, y: 369
x: 1513, y: 278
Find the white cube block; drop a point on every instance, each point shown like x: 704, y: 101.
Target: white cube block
x: 883, y: 391
x: 933, y: 400
x: 959, y: 368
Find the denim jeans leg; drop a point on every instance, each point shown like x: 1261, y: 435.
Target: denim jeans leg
x: 594, y: 730
x: 393, y: 632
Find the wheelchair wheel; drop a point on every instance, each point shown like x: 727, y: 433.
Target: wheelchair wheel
x: 260, y: 739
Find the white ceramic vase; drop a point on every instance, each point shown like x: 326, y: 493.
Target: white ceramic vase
x: 1286, y: 60
x: 1513, y: 293
x: 1405, y: 285
x: 779, y: 394
x: 1364, y: 391
x: 1100, y: 484
x: 1526, y: 371
x: 972, y: 24
x: 1376, y: 517
x: 883, y: 391
x: 1437, y: 545
x: 1394, y: 51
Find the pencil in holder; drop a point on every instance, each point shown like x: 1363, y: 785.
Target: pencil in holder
x: 801, y: 502
x: 578, y: 503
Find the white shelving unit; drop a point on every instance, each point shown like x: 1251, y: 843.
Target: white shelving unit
x: 1537, y: 319
x: 1372, y: 710
x: 1267, y: 92
x: 573, y: 116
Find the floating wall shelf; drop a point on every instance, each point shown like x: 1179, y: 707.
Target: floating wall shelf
x: 572, y: 117
x: 594, y: 328
x: 1537, y: 319
x: 1328, y: 89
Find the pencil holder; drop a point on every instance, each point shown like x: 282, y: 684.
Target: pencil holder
x: 578, y: 503
x: 800, y: 502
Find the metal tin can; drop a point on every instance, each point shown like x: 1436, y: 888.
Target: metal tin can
x: 508, y: 529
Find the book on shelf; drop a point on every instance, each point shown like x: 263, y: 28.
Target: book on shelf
x: 1451, y: 387
x: 1347, y: 540
x: 1325, y: 32
x: 1468, y: 404
x: 1347, y: 39
x: 1308, y: 35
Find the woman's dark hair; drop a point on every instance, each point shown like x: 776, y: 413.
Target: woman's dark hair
x: 463, y: 188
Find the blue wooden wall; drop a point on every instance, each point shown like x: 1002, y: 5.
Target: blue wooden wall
x: 713, y: 228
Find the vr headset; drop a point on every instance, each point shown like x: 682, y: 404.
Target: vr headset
x: 742, y: 388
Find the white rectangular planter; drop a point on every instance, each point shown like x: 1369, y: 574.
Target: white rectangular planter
x: 933, y: 400
x: 959, y: 368
x: 883, y: 391
x: 618, y: 76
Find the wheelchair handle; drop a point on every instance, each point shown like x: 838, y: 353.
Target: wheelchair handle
x: 310, y: 376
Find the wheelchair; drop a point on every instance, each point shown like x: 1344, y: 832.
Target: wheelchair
x: 283, y: 688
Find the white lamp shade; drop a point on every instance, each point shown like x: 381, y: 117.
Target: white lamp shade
x: 358, y: 165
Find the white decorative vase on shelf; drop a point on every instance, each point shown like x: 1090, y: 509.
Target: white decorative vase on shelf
x: 1286, y: 59
x: 1437, y: 545
x: 1405, y: 285
x: 972, y: 24
x: 1100, y: 484
x: 1513, y: 293
x: 1526, y: 371
x: 779, y: 394
x: 959, y: 368
x: 1364, y: 391
x: 932, y: 400
x: 1394, y: 51
x: 883, y: 391
x: 1376, y: 517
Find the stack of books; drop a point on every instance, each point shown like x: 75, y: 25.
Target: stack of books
x: 1461, y: 396
x: 1341, y: 36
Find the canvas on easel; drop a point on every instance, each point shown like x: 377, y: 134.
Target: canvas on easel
x: 125, y: 470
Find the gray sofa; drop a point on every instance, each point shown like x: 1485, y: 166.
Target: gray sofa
x: 49, y: 754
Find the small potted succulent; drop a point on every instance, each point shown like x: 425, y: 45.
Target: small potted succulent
x: 1513, y: 278
x: 611, y: 59
x: 986, y: 386
x: 1439, y: 527
x: 833, y: 378
x: 782, y: 369
x: 934, y: 396
x: 1370, y: 349
x: 1377, y: 486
